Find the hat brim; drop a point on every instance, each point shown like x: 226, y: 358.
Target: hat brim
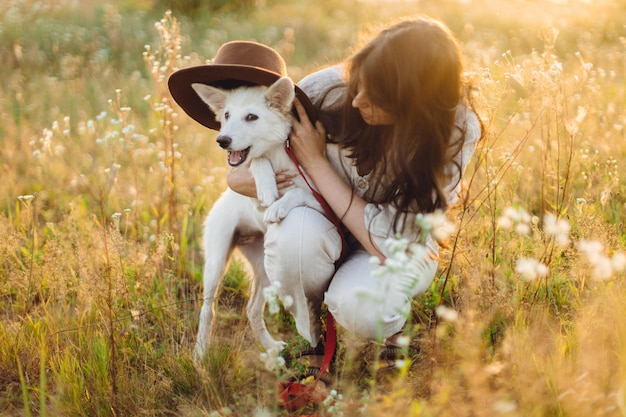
x: 222, y: 76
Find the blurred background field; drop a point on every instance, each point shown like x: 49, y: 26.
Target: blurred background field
x: 105, y: 183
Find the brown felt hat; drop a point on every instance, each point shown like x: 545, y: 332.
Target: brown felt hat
x: 236, y: 64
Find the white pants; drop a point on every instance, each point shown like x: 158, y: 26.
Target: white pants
x: 300, y: 253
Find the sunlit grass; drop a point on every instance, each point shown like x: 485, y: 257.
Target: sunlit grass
x: 105, y: 184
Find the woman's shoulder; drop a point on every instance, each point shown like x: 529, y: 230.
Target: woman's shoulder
x: 330, y: 76
x: 317, y: 84
x: 467, y: 120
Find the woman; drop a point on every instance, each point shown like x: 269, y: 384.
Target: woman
x: 405, y: 131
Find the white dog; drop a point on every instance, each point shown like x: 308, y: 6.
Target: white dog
x: 255, y: 123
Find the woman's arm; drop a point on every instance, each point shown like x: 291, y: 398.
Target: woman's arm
x: 309, y: 145
x: 240, y: 180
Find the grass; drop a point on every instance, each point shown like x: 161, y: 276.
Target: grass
x: 105, y: 185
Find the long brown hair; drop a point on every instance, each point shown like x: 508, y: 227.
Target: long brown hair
x: 412, y: 70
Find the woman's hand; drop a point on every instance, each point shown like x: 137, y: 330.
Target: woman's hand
x: 307, y: 141
x: 241, y: 181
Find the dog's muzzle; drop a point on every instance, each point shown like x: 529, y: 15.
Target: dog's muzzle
x: 238, y: 157
x: 234, y: 157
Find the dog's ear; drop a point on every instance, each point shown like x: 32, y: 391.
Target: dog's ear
x: 281, y: 94
x: 213, y: 97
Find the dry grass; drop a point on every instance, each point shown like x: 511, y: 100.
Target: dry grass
x: 104, y: 188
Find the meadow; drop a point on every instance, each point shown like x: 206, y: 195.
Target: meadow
x: 105, y: 183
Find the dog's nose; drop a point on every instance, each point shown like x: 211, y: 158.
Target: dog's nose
x: 224, y: 141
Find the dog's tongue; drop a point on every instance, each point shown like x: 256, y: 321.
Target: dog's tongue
x: 236, y: 157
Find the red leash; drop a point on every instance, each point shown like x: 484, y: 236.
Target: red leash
x: 293, y: 395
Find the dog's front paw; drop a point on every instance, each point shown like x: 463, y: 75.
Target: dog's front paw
x: 276, y: 212
x: 266, y: 197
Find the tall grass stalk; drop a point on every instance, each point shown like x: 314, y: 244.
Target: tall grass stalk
x: 43, y: 380
x: 24, y: 386
x: 109, y: 299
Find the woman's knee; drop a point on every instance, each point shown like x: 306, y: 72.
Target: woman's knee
x: 366, y: 304
x: 366, y: 316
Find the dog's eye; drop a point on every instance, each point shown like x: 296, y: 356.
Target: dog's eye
x: 226, y: 116
x: 251, y: 117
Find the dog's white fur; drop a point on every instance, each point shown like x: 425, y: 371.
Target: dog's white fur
x: 257, y: 121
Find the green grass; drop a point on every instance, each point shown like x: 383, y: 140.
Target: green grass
x: 105, y: 184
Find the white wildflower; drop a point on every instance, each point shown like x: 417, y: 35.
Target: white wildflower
x: 603, y: 269
x: 374, y: 261
x: 522, y: 229
x: 405, y: 263
x: 592, y: 249
x: 332, y: 396
x: 403, y: 268
x: 334, y: 402
x: 398, y: 247
x: 397, y: 262
x: 400, y: 363
x: 555, y: 69
x: 270, y: 293
x: 517, y: 219
x: 435, y: 223
x: 515, y: 214
x: 397, y: 244
x: 446, y: 313
x: 505, y: 222
x: 288, y: 301
x: 272, y: 359
x: 530, y: 269
x: 618, y: 261
x: 558, y: 228
x: 402, y: 341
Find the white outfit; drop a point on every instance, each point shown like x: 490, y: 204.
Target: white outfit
x: 301, y: 250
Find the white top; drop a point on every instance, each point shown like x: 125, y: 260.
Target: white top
x: 379, y: 217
